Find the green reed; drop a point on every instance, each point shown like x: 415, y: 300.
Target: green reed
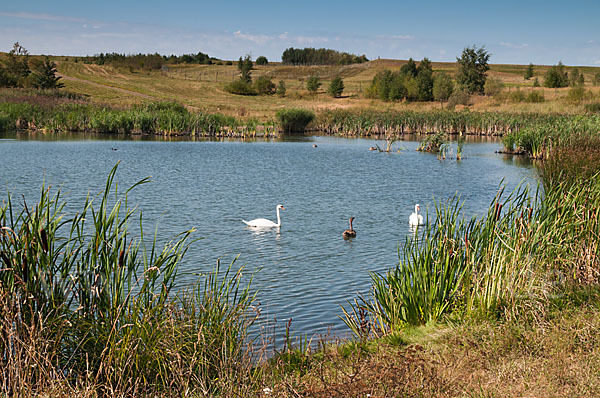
x: 80, y: 295
x: 154, y: 118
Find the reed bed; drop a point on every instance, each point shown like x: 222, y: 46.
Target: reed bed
x: 155, y: 118
x: 87, y: 309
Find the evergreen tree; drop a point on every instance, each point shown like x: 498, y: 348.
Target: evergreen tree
x: 44, y: 75
x: 409, y: 68
x: 336, y: 87
x: 536, y: 82
x: 574, y: 78
x: 16, y: 69
x: 528, y: 72
x: 313, y: 84
x: 245, y: 68
x: 556, y: 76
x: 472, y: 69
x: 281, y: 89
x: 425, y: 80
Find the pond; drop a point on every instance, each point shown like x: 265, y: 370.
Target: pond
x: 304, y: 270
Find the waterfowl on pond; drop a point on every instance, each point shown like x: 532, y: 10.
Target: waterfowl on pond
x: 349, y: 233
x: 415, y: 218
x: 263, y: 222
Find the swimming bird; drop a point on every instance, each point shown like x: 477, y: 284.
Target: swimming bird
x: 263, y: 222
x: 415, y: 218
x: 349, y: 233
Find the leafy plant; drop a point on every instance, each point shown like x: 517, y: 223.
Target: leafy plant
x: 294, y: 120
x: 336, y: 87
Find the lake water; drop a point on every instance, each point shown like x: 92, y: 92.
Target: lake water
x: 305, y: 270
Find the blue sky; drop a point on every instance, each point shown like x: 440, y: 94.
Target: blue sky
x: 514, y: 32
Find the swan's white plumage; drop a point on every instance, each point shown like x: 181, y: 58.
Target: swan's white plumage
x: 415, y: 218
x: 263, y: 222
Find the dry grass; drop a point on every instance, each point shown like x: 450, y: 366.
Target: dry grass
x: 554, y: 358
x: 201, y: 87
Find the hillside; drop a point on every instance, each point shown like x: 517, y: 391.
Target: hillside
x: 201, y: 87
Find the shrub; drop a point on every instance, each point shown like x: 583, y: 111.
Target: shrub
x: 459, y: 97
x: 240, y: 87
x: 528, y: 72
x: 535, y: 97
x: 228, y: 62
x: 593, y: 108
x: 264, y: 86
x: 294, y: 120
x: 597, y: 79
x: 517, y: 96
x: 313, y: 84
x: 336, y: 87
x: 493, y: 87
x: 576, y: 94
x: 536, y: 82
x: 262, y: 60
x: 281, y: 89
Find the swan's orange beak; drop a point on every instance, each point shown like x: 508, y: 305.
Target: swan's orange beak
x: 282, y: 208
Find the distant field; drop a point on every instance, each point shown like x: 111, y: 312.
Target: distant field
x: 200, y: 87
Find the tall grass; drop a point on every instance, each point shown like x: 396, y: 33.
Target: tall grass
x: 155, y: 118
x: 83, y: 302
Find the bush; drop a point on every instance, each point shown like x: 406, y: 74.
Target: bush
x: 493, y: 87
x: 313, y: 84
x: 535, y: 97
x: 593, y: 108
x: 576, y: 94
x: 336, y: 87
x: 459, y: 97
x: 597, y: 79
x: 517, y: 96
x: 262, y: 60
x: 294, y: 120
x: 240, y: 87
x: 228, y: 62
x: 264, y: 86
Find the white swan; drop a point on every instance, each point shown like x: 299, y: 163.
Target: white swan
x: 415, y: 218
x: 264, y: 223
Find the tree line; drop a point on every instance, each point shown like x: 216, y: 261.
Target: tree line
x: 418, y: 83
x: 147, y: 61
x: 321, y: 56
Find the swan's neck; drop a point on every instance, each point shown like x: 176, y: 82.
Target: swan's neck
x: 351, y: 225
x: 278, y: 218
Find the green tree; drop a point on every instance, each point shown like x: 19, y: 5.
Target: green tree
x: 528, y: 72
x: 556, y: 76
x: 245, y: 68
x: 472, y: 69
x: 281, y: 89
x: 313, y: 83
x: 44, y: 75
x: 336, y: 87
x: 442, y: 87
x: 409, y: 68
x: 536, y: 82
x: 425, y: 80
x: 262, y: 60
x: 16, y: 69
x: 574, y: 77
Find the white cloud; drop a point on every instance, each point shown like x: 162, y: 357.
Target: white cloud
x: 40, y: 17
x: 283, y: 36
x: 511, y: 45
x: 258, y: 39
x: 310, y: 40
x: 402, y: 37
